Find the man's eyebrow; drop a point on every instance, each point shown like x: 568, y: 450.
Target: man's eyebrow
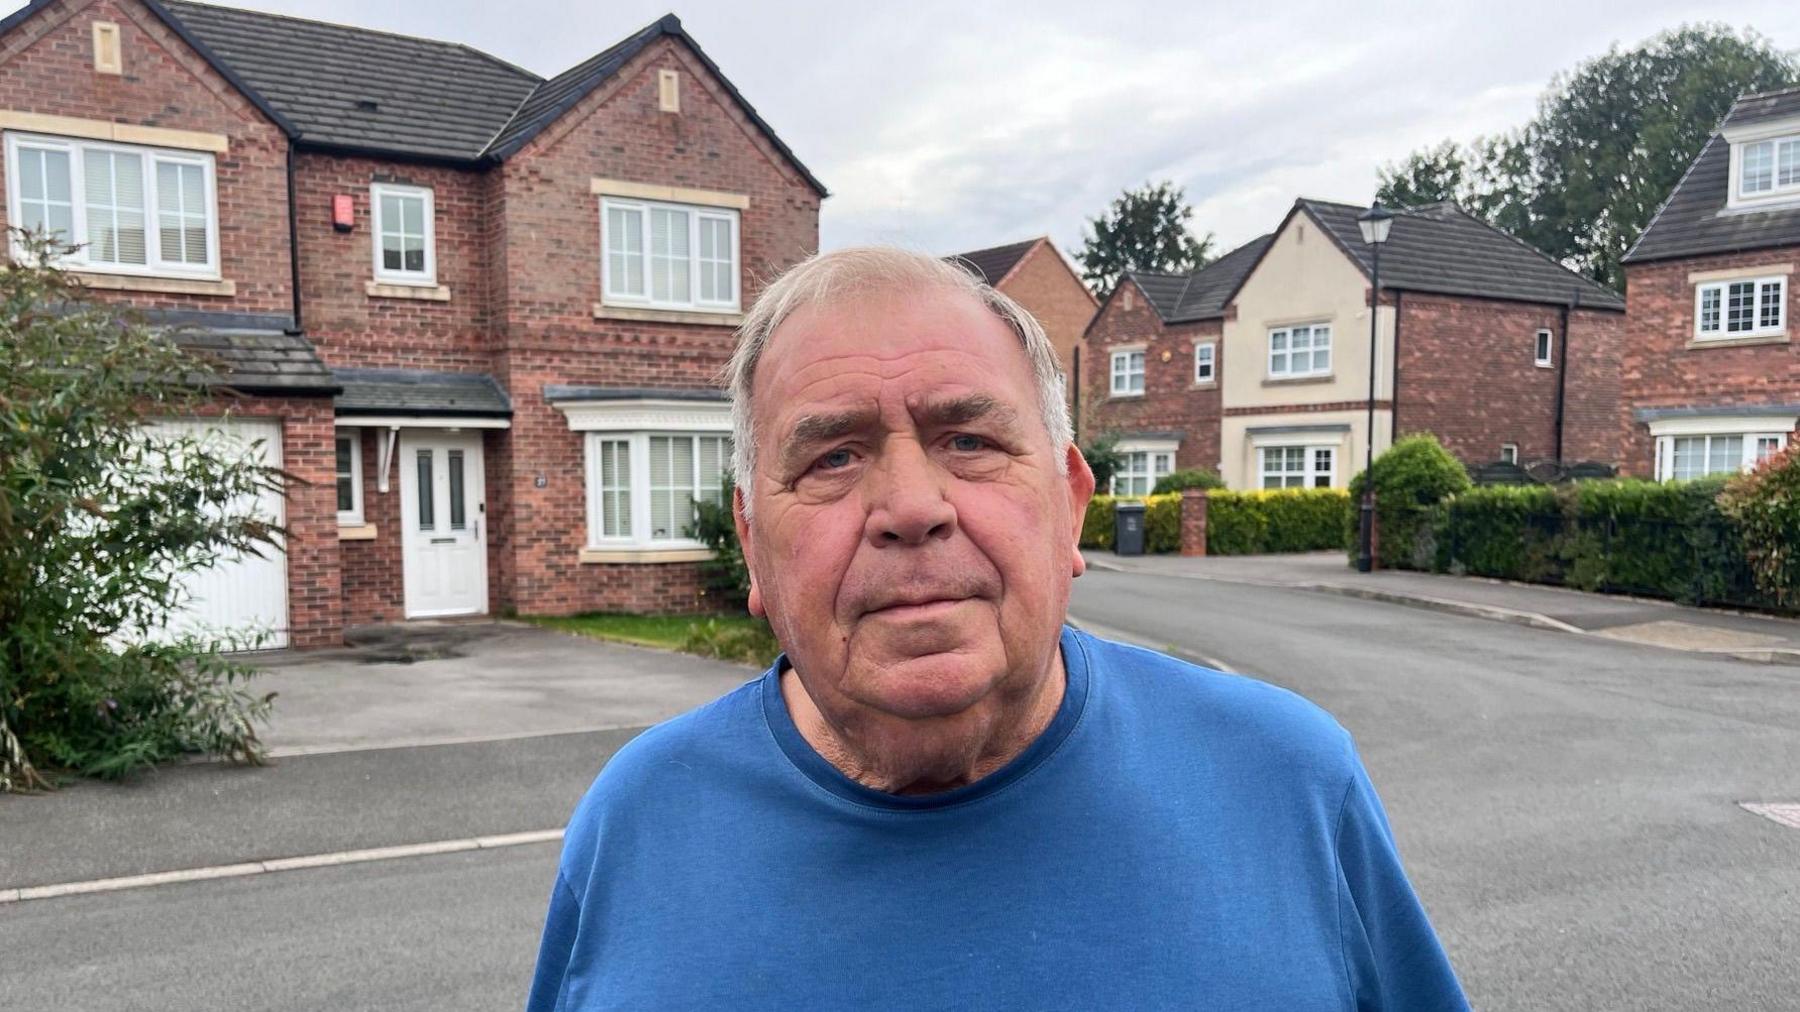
x: 811, y: 430
x: 944, y: 412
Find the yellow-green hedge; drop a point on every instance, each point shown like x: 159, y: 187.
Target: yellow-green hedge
x: 1238, y: 523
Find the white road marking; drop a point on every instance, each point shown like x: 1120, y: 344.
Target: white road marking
x: 105, y: 885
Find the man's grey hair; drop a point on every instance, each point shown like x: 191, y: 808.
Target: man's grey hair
x: 827, y: 278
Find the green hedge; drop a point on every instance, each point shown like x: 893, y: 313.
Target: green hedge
x: 1238, y: 523
x: 1411, y: 476
x: 1659, y: 539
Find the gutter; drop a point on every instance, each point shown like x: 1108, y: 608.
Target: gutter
x: 1394, y: 383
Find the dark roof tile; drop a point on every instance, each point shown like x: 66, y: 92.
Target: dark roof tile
x: 995, y: 262
x: 1202, y: 295
x: 417, y: 392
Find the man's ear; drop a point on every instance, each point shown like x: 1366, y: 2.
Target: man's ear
x: 1081, y: 489
x: 742, y: 523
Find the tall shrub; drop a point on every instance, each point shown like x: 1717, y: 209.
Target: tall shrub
x: 100, y: 520
x: 725, y: 575
x: 1765, y: 507
x: 1411, y: 477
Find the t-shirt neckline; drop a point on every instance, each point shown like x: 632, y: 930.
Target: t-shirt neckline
x: 820, y: 771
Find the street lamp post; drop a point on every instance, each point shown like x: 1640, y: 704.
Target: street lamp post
x: 1375, y: 224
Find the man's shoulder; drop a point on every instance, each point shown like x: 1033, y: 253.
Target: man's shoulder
x: 1189, y: 704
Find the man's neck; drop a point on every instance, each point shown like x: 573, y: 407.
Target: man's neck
x: 1009, y: 736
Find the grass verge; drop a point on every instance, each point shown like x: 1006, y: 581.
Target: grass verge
x: 740, y: 638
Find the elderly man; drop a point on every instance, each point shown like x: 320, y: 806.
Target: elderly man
x: 941, y: 796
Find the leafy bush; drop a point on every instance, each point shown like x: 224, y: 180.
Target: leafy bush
x: 1193, y: 477
x: 1661, y: 539
x: 725, y: 574
x: 1411, y: 476
x: 100, y: 518
x: 1764, y: 505
x: 751, y: 644
x: 1276, y: 520
x: 1162, y: 523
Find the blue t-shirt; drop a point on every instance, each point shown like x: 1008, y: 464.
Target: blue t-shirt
x: 1177, y: 838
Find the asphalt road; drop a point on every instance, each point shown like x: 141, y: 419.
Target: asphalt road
x: 1566, y: 805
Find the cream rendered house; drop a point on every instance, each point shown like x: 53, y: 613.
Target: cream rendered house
x: 1294, y: 411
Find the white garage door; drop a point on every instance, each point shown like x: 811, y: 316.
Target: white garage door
x: 245, y: 594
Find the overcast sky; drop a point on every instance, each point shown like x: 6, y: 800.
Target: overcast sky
x: 953, y: 126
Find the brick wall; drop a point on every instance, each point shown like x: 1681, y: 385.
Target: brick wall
x: 46, y: 67
x: 550, y: 280
x: 1043, y: 284
x: 1468, y: 375
x: 1659, y: 370
x: 1171, y: 401
x: 1591, y: 402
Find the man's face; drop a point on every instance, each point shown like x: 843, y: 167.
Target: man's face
x: 914, y: 537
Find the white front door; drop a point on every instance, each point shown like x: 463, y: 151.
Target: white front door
x: 443, y: 523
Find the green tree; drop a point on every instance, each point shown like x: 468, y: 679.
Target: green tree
x: 1104, y: 459
x: 100, y: 518
x: 1609, y: 141
x: 1146, y: 229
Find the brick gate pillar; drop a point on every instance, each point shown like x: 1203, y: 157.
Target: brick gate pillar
x: 1193, y: 521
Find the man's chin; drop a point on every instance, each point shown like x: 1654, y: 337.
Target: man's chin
x: 939, y: 685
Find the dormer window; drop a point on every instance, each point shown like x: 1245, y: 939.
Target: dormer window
x: 1768, y: 169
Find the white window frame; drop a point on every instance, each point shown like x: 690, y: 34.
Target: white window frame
x: 1121, y: 377
x: 1509, y: 453
x: 1309, y: 474
x: 638, y: 482
x: 1210, y: 361
x: 1780, y: 144
x: 1748, y: 455
x: 1721, y: 331
x: 352, y: 517
x: 696, y: 214
x: 427, y: 277
x: 154, y: 265
x: 1158, y: 460
x: 1543, y: 348
x: 1286, y: 355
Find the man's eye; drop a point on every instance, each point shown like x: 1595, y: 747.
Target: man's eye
x: 967, y: 444
x: 834, y: 460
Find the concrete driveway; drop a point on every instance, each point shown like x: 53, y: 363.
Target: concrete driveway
x: 443, y: 684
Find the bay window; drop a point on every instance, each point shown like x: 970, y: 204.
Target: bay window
x: 642, y: 486
x: 1141, y: 466
x: 125, y: 209
x: 1686, y: 457
x: 669, y: 256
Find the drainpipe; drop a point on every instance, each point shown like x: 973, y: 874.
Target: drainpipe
x: 1562, y: 371
x: 1075, y: 391
x: 293, y: 210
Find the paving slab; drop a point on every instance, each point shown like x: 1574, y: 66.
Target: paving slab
x: 422, y: 685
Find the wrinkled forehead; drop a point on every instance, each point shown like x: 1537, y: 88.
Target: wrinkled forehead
x: 879, y: 334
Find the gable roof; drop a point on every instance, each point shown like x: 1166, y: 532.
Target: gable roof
x: 339, y: 87
x: 1444, y: 249
x: 1693, y: 220
x: 995, y: 262
x: 1204, y: 294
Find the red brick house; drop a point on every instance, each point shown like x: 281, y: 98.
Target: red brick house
x: 477, y: 313
x: 1037, y: 275
x: 1710, y: 376
x: 1258, y: 365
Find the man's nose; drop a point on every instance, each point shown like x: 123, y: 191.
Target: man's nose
x: 906, y: 498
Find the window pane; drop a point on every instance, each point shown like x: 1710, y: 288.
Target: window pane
x: 43, y: 188
x: 413, y: 215
x: 1740, y: 299
x: 414, y: 258
x: 615, y: 488
x: 1278, y: 341
x: 346, y: 483
x: 714, y: 456
x: 671, y: 486
x: 458, y: 509
x: 1787, y: 167
x: 1769, y: 313
x: 1758, y: 167
x: 1725, y: 454
x: 115, y: 208
x: 426, y: 512
x: 1766, y: 447
x: 181, y: 213
x: 669, y: 256
x: 1709, y: 309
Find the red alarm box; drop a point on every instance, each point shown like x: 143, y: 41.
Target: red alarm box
x: 343, y: 212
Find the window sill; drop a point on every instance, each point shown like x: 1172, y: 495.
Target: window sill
x: 644, y: 555
x: 1735, y: 342
x: 1545, y: 365
x: 1293, y: 381
x: 163, y: 285
x: 1125, y: 397
x: 356, y: 532
x: 423, y: 293
x: 1204, y: 385
x: 699, y: 318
